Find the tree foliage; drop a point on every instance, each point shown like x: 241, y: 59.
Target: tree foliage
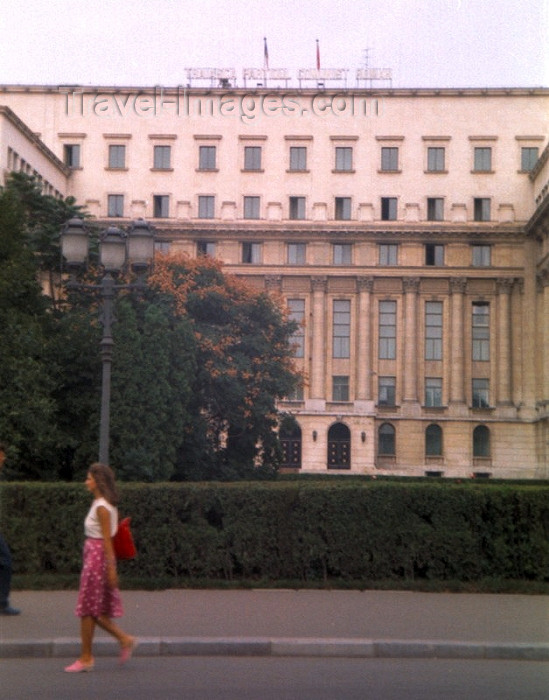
x: 200, y: 359
x: 242, y: 339
x: 27, y: 410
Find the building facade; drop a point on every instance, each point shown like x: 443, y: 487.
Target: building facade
x: 406, y: 231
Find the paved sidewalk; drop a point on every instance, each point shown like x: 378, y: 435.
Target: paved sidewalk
x: 290, y: 622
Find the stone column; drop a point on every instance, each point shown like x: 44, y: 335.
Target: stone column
x: 504, y: 346
x: 411, y: 288
x: 318, y: 363
x: 365, y: 286
x: 458, y: 285
x: 543, y: 288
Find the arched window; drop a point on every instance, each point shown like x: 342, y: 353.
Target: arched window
x: 481, y: 441
x: 290, y: 440
x: 433, y: 440
x: 339, y: 447
x: 386, y: 441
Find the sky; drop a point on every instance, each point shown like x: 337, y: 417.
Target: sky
x: 426, y: 43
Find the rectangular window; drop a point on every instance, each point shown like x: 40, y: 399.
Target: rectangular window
x: 252, y: 158
x: 205, y: 248
x: 341, y: 335
x: 388, y: 208
x: 481, y: 255
x: 528, y: 158
x: 71, y: 155
x: 387, y: 330
x: 340, y: 388
x: 117, y: 156
x: 251, y: 207
x: 161, y: 206
x: 342, y: 253
x: 206, y: 207
x: 433, y: 330
x: 162, y: 157
x: 433, y: 391
x: 481, y: 331
x: 389, y: 158
x: 297, y: 314
x: 344, y: 158
x: 482, y: 209
x: 298, y: 158
x: 207, y: 157
x: 342, y: 208
x: 434, y: 254
x: 115, y: 203
x: 388, y: 254
x: 435, y: 209
x: 251, y: 253
x: 483, y: 159
x: 296, y: 253
x: 481, y: 393
x: 297, y: 394
x: 387, y: 391
x: 297, y: 207
x: 435, y: 159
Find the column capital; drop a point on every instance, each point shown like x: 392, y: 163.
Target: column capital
x: 365, y: 284
x: 411, y: 284
x: 504, y: 285
x: 542, y: 280
x: 458, y: 285
x: 273, y: 283
x: 319, y: 284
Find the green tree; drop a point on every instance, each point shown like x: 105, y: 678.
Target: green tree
x: 43, y: 218
x: 26, y: 407
x: 243, y: 340
x: 153, y: 363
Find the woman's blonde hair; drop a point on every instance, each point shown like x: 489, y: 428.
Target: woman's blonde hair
x: 104, y: 478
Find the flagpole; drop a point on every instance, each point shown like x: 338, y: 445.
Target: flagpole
x: 265, y: 60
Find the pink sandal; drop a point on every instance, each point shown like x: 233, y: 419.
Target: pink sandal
x: 126, y: 652
x: 79, y: 667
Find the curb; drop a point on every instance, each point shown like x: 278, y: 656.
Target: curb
x: 280, y: 647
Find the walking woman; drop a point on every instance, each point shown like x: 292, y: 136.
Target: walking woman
x: 99, y: 597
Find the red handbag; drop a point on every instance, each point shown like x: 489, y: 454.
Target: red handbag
x: 122, y: 542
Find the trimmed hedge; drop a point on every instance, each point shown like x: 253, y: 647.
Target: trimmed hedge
x: 295, y: 530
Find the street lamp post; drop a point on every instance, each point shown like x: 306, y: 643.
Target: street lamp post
x: 117, y: 250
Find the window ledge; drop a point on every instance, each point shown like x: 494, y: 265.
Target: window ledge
x: 252, y: 170
x: 207, y: 170
x: 389, y: 172
x: 383, y: 408
x: 298, y: 170
x: 436, y: 172
x: 483, y: 172
x: 385, y: 461
x: 343, y: 172
x: 113, y: 169
x: 161, y: 170
x: 487, y: 410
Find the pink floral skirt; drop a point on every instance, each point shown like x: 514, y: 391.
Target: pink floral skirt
x: 95, y: 596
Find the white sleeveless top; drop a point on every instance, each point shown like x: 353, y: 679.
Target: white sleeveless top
x: 92, y: 526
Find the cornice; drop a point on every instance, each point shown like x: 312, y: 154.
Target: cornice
x: 327, y: 232
x: 33, y: 138
x: 242, y: 90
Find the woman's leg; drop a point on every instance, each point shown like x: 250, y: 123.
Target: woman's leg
x: 87, y: 628
x: 109, y: 626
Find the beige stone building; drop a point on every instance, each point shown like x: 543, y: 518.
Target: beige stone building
x: 407, y: 231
